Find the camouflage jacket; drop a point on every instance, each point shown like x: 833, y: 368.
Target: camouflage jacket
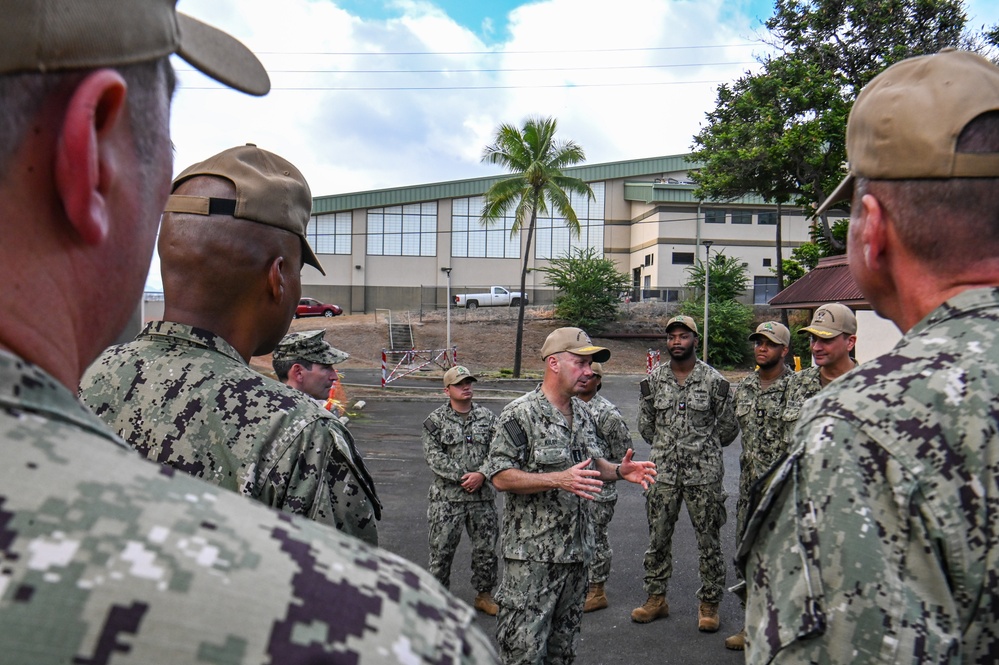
x: 761, y: 420
x: 801, y: 386
x: 687, y: 425
x: 531, y: 435
x: 453, y: 446
x: 876, y: 539
x: 184, y: 397
x: 107, y: 558
x: 613, y: 439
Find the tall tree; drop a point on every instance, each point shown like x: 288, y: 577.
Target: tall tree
x: 536, y: 159
x: 780, y: 132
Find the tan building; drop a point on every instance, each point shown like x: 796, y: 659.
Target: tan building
x: 387, y: 248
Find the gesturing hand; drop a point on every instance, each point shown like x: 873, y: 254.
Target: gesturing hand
x: 580, y: 481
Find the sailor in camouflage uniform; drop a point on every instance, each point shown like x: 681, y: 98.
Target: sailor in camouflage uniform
x: 759, y: 406
x: 304, y: 361
x: 104, y: 556
x: 613, y: 441
x: 456, y: 438
x: 832, y: 336
x: 686, y: 414
x: 545, y: 455
x: 876, y: 540
x: 232, y: 244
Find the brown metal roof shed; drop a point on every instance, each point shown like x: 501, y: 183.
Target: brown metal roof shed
x: 829, y: 281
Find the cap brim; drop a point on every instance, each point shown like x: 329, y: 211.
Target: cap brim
x: 843, y: 192
x: 772, y: 338
x: 599, y: 353
x: 824, y: 333
x: 309, y: 257
x: 221, y: 57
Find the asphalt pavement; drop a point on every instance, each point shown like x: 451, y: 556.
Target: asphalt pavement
x: 387, y: 431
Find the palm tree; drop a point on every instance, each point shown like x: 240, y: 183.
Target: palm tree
x: 536, y: 159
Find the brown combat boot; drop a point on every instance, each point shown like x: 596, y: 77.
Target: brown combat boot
x: 484, y: 603
x: 736, y: 642
x: 707, y: 617
x: 654, y: 608
x: 596, y: 599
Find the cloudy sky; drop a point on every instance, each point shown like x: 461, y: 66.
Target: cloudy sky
x: 372, y: 94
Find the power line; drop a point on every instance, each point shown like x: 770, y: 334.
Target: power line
x: 462, y: 87
x: 499, y: 70
x: 537, y: 52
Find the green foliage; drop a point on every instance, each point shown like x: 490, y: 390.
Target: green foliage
x: 729, y: 320
x: 793, y: 271
x: 729, y: 325
x: 780, y: 132
x: 535, y: 158
x: 729, y: 278
x: 588, y: 286
x: 808, y: 255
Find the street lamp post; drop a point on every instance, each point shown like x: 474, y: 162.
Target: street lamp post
x: 447, y: 349
x: 707, y: 284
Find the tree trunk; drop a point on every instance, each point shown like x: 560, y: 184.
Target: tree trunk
x: 518, y: 351
x: 780, y: 259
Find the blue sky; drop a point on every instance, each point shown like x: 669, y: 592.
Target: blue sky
x: 372, y: 94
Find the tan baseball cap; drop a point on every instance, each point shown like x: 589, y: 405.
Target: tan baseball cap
x: 906, y: 121
x: 685, y: 321
x: 830, y: 320
x: 457, y: 374
x: 269, y: 190
x: 573, y: 340
x: 597, y: 369
x: 309, y: 345
x: 56, y: 35
x: 775, y: 332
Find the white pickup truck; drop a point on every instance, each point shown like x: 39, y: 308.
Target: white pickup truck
x: 496, y: 297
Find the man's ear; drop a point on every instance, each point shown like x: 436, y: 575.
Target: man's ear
x: 275, y: 279
x: 86, y: 160
x: 873, y: 232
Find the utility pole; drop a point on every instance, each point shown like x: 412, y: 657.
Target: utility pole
x: 707, y: 283
x: 447, y: 349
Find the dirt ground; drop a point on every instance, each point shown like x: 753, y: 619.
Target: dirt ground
x: 485, y: 338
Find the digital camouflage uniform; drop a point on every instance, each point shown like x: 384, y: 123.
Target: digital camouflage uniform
x: 613, y: 441
x: 877, y: 540
x: 455, y: 444
x: 761, y: 422
x: 108, y: 558
x: 183, y: 396
x: 801, y: 386
x: 547, y: 536
x: 687, y: 427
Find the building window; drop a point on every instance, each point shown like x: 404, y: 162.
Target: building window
x: 650, y: 259
x: 767, y: 263
x: 469, y: 238
x: 764, y: 288
x: 714, y: 216
x: 766, y: 218
x: 742, y: 217
x: 330, y: 233
x: 683, y: 258
x: 553, y: 238
x: 409, y: 230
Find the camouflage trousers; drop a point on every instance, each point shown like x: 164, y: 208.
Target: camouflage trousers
x: 540, y: 610
x: 447, y: 519
x: 601, y: 513
x: 706, y: 506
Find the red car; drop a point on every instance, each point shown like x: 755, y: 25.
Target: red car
x: 312, y: 307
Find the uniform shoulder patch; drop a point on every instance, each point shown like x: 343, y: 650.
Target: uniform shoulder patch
x: 645, y: 388
x: 515, y: 431
x: 430, y: 426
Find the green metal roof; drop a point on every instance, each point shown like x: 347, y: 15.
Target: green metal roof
x: 649, y: 192
x: 377, y: 198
